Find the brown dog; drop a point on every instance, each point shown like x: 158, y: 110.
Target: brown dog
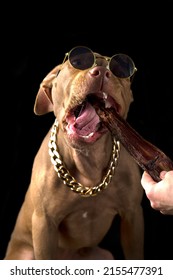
x: 81, y: 178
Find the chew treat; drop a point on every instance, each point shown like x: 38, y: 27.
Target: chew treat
x: 148, y: 157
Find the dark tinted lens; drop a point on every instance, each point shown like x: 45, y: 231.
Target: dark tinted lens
x: 122, y: 66
x: 81, y: 58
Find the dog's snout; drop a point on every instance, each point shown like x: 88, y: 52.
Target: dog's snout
x: 98, y: 71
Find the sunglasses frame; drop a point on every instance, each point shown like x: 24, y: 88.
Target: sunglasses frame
x: 108, y: 59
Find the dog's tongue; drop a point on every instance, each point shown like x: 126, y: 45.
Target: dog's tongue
x: 86, y: 123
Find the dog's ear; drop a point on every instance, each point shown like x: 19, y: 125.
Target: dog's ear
x: 43, y: 102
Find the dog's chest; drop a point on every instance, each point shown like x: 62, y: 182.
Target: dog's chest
x: 86, y: 224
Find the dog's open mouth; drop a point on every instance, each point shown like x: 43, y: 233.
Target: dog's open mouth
x: 83, y: 122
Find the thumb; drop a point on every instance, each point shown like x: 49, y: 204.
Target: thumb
x: 147, y: 181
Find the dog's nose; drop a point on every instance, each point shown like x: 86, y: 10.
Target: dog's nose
x: 98, y: 71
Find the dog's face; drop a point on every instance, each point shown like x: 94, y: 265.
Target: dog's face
x: 69, y: 92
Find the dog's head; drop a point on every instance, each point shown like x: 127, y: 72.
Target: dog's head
x: 68, y: 89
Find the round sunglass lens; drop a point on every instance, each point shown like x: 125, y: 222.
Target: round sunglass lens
x: 122, y: 66
x: 81, y: 58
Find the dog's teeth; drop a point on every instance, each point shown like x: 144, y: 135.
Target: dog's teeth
x: 105, y: 96
x: 107, y: 104
x: 89, y: 135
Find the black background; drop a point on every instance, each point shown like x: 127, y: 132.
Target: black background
x: 34, y: 40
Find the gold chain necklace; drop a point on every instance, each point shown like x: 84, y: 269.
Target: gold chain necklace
x: 69, y: 180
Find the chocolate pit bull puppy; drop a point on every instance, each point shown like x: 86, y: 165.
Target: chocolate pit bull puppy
x: 81, y: 177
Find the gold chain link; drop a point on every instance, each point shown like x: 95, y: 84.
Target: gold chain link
x: 69, y: 180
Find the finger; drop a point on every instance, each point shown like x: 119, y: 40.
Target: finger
x: 147, y: 181
x: 162, y: 174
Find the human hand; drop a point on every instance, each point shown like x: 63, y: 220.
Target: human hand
x: 160, y: 193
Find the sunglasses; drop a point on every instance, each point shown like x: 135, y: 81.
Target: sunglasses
x: 82, y: 58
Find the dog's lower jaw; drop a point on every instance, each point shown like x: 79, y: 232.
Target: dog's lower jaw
x: 76, y: 136
x: 68, y: 179
x: 84, y: 124
x: 90, y: 138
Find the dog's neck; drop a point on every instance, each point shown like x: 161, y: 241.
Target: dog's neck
x: 89, y: 165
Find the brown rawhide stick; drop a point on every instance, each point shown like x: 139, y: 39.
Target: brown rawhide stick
x: 148, y: 157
